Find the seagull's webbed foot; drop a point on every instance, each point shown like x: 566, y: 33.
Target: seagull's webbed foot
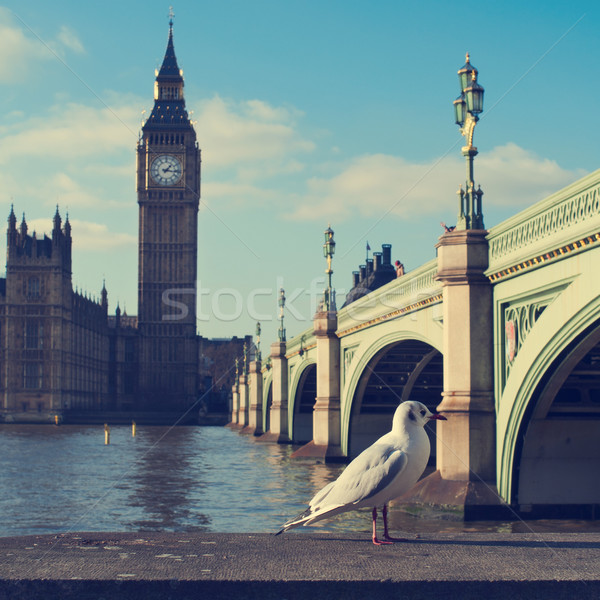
x: 379, y: 542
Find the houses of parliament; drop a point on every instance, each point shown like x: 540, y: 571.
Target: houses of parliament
x: 61, y: 353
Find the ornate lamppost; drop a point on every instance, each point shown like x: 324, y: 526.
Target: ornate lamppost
x: 328, y: 252
x: 281, y: 307
x: 258, y: 355
x: 467, y: 108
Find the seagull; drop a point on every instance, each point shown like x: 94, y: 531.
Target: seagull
x: 382, y: 472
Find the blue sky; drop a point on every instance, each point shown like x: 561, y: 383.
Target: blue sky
x: 307, y: 113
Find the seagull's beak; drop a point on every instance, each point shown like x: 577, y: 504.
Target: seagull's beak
x: 437, y: 417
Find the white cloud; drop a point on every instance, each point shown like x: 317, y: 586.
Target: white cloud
x: 513, y: 176
x: 97, y: 236
x: 87, y: 235
x: 379, y: 184
x: 20, y: 48
x: 71, y: 131
x: 73, y: 154
x: 68, y: 38
x: 69, y: 192
x: 237, y: 133
x: 260, y: 110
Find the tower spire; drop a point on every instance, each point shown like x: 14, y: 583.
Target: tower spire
x: 57, y: 220
x: 12, y: 219
x: 169, y: 71
x: 23, y: 227
x: 169, y: 103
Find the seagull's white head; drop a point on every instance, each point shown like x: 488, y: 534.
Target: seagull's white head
x: 415, y: 413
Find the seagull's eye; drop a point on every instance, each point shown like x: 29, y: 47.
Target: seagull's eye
x: 422, y: 413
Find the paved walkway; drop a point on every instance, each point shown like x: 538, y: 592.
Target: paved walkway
x: 299, y: 565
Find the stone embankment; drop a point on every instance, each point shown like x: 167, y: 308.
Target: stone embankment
x: 301, y: 565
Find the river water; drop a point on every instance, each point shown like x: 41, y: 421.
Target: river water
x: 61, y: 479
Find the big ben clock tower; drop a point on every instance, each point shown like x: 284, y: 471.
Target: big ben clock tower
x: 168, y: 189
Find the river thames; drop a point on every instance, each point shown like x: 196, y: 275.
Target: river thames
x: 62, y: 479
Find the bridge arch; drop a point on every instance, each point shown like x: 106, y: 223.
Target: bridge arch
x: 302, y: 397
x: 399, y: 366
x: 549, y: 412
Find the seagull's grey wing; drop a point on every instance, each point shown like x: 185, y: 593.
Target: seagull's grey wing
x: 368, y: 474
x: 318, y: 498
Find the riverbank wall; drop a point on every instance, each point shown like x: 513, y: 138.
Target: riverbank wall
x: 298, y: 565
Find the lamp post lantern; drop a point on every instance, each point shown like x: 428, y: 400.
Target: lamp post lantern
x: 281, y: 307
x: 328, y: 252
x: 467, y: 108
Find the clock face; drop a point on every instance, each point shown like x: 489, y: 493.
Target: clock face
x: 166, y: 170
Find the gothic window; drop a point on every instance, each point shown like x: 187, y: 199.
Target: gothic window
x: 32, y: 375
x: 33, y: 334
x: 33, y: 287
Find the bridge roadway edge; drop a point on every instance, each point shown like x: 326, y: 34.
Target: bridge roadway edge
x: 299, y: 565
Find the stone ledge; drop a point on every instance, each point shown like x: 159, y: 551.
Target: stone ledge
x: 299, y: 564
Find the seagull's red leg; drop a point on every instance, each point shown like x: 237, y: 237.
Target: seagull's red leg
x: 376, y: 541
x: 386, y: 535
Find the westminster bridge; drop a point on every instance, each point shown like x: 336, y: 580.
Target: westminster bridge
x: 500, y: 333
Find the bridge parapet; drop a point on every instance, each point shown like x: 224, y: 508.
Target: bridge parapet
x: 566, y: 221
x: 301, y: 343
x: 408, y: 293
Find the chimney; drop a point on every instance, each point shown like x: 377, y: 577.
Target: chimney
x: 377, y: 258
x: 387, y: 254
x: 369, y: 266
x: 363, y: 273
x: 355, y: 278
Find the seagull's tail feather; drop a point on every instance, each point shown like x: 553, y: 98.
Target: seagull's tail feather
x: 296, y: 521
x: 316, y: 511
x: 310, y: 515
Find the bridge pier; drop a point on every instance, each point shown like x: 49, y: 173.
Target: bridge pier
x: 465, y: 479
x: 278, y: 421
x: 326, y: 442
x: 243, y: 391
x: 255, y: 388
x: 235, y: 406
